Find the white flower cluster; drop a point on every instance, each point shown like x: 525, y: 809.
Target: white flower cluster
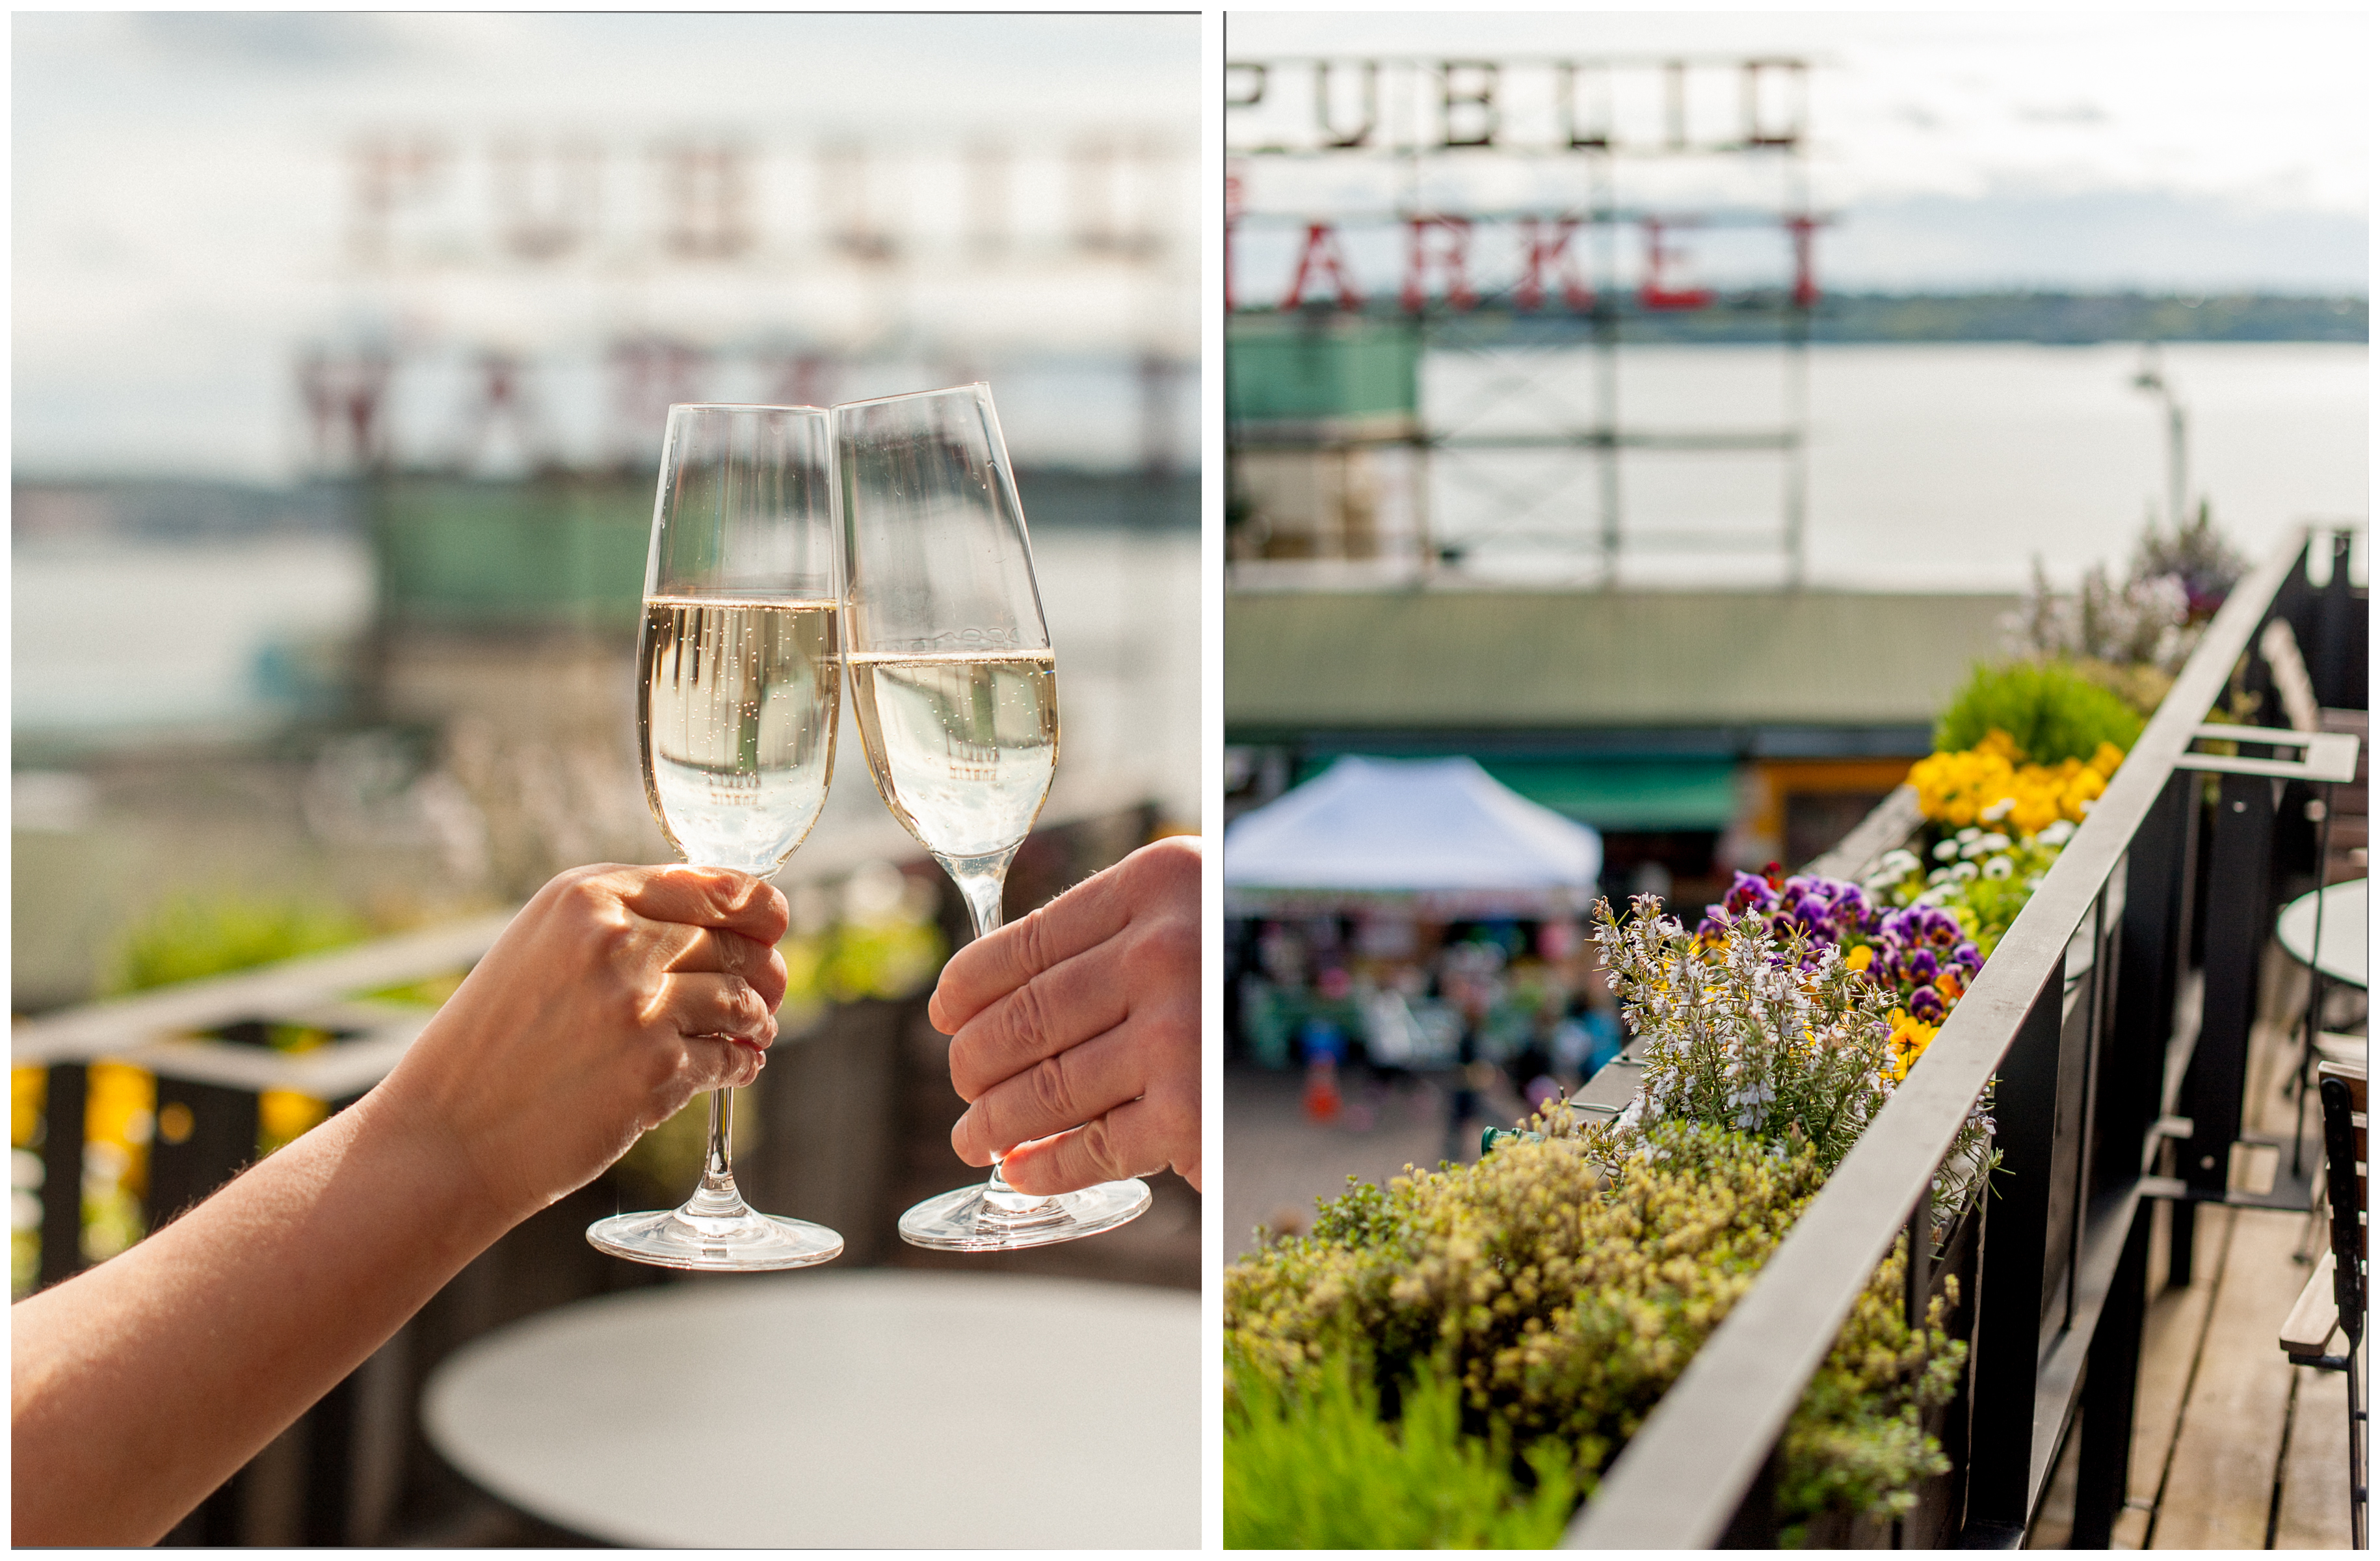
x: 1973, y: 854
x: 2144, y: 621
x: 1742, y: 1035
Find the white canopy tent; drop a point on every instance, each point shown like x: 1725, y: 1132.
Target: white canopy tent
x: 1439, y: 833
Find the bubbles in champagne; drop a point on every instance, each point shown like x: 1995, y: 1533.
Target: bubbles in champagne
x: 962, y: 746
x: 736, y: 715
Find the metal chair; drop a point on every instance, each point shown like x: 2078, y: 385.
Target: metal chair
x: 2331, y: 1307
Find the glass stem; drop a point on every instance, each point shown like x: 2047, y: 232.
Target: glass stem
x: 981, y: 880
x: 717, y: 1197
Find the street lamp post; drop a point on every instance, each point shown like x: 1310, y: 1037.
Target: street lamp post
x: 2152, y: 379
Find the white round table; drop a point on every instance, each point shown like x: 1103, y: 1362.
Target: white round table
x: 2345, y: 953
x: 863, y: 1409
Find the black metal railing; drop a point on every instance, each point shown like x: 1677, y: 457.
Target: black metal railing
x: 2114, y: 1016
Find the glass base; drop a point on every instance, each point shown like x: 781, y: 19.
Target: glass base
x: 747, y: 1242
x: 980, y: 1219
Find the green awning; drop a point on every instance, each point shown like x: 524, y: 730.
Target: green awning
x: 1617, y: 794
x: 1627, y: 794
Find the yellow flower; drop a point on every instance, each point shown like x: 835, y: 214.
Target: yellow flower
x: 2087, y: 785
x: 1859, y: 958
x: 1960, y: 788
x: 1908, y: 1042
x: 2000, y: 743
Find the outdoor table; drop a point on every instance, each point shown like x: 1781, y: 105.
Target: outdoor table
x: 2345, y: 916
x: 868, y: 1408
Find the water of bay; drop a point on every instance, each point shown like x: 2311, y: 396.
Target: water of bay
x: 1929, y: 466
x: 119, y: 640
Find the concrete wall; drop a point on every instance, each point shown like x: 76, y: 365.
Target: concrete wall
x: 1488, y: 659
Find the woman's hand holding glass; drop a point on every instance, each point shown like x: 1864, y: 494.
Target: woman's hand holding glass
x: 615, y: 996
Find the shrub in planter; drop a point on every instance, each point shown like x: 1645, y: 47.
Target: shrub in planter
x: 2049, y: 712
x: 1560, y: 1287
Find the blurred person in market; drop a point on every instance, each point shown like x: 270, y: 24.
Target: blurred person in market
x: 613, y: 998
x: 1323, y: 1045
x: 1468, y: 977
x: 1391, y: 1035
x: 1533, y: 1069
x: 1322, y: 1041
x: 1569, y: 1044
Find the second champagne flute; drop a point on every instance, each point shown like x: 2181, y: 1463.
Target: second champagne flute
x: 740, y: 678
x: 955, y: 691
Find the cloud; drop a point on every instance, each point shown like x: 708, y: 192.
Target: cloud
x: 2064, y: 114
x: 267, y: 41
x: 2014, y: 235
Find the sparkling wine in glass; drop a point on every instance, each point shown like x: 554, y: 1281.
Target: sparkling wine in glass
x: 738, y: 694
x: 955, y: 691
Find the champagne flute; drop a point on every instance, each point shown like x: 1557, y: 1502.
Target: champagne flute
x: 738, y: 695
x: 955, y: 691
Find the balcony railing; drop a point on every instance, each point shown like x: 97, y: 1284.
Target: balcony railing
x: 2114, y: 1016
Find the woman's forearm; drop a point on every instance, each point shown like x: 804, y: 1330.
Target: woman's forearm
x: 615, y: 996
x: 140, y: 1386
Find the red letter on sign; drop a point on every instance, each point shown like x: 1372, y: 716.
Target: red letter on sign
x: 1551, y: 252
x: 1453, y: 259
x: 1805, y: 276
x: 1657, y: 292
x: 1231, y: 225
x: 1320, y: 258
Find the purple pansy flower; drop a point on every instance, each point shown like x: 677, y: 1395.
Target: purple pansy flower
x: 1749, y: 893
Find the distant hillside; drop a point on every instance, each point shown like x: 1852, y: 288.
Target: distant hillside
x: 2065, y: 319
x: 162, y: 510
x: 2088, y: 317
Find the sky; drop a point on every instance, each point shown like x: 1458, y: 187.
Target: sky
x: 179, y: 201
x: 180, y: 197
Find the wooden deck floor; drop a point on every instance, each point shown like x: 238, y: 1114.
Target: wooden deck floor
x: 2234, y: 1448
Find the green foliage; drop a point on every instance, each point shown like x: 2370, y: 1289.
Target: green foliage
x: 187, y: 938
x: 889, y: 959
x: 1857, y: 1442
x: 2053, y: 712
x: 1317, y: 1468
x: 1564, y: 1291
